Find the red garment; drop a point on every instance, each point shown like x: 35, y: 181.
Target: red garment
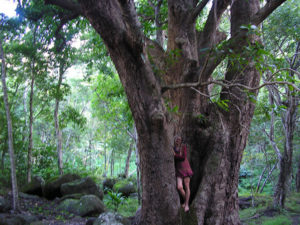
x: 182, y: 165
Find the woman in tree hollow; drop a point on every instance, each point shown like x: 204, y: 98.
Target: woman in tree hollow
x: 183, y: 171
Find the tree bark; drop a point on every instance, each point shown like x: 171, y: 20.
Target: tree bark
x: 10, y: 134
x: 215, y: 137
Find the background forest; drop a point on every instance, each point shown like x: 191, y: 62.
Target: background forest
x: 69, y: 112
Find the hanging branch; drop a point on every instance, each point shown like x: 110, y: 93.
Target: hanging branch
x: 230, y: 85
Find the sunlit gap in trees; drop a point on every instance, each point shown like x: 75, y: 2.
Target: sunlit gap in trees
x: 8, y: 7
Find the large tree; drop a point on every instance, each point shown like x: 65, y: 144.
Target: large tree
x: 178, y: 76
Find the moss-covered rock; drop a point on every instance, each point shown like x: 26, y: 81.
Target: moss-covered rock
x: 4, y: 205
x: 84, y: 186
x: 88, y: 205
x: 17, y: 219
x: 125, y: 187
x: 109, y: 183
x: 52, y: 186
x: 35, y: 187
x: 111, y: 218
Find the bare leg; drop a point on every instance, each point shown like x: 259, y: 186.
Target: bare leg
x: 187, y: 193
x: 180, y: 189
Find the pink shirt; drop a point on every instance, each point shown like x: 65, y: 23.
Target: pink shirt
x: 182, y: 165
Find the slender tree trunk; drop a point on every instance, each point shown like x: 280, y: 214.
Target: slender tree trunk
x: 112, y: 163
x: 260, y: 179
x: 127, y: 164
x: 298, y: 176
x: 267, y: 178
x: 30, y: 139
x: 105, y: 160
x: 286, y: 161
x: 30, y: 146
x: 25, y: 115
x: 10, y: 134
x: 56, y: 120
x: 289, y: 118
x: 2, y: 160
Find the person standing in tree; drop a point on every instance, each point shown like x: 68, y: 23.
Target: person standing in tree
x: 183, y: 171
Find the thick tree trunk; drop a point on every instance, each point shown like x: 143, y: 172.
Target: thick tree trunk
x: 56, y: 121
x: 10, y: 134
x: 216, y: 146
x: 215, y: 137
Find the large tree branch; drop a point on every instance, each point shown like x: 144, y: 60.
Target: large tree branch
x: 130, y: 17
x: 212, y: 23
x: 264, y: 12
x: 66, y: 4
x: 198, y: 9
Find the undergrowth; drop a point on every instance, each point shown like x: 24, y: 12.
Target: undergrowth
x: 264, y: 213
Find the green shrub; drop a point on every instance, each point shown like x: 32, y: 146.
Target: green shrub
x: 113, y: 200
x: 129, y: 207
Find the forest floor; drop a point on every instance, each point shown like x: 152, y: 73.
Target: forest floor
x: 263, y: 212
x: 46, y: 211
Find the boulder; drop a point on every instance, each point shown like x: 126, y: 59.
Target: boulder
x: 39, y: 223
x: 245, y: 203
x: 35, y: 187
x: 28, y: 196
x: 109, y: 183
x: 82, y: 186
x: 125, y: 187
x: 87, y: 205
x: 111, y: 218
x: 4, y: 205
x: 51, y: 189
x: 17, y: 219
